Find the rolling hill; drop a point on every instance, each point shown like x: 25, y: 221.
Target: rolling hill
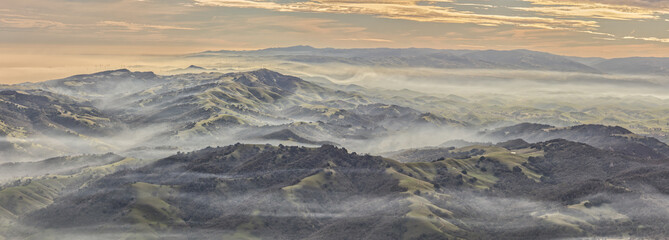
x: 102, y: 112
x: 606, y: 137
x: 549, y: 189
x: 34, y: 122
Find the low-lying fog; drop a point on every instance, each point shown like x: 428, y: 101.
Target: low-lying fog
x: 481, y: 87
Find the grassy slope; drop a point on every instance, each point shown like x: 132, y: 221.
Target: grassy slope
x: 35, y: 193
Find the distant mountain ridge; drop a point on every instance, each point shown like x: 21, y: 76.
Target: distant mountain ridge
x: 519, y: 59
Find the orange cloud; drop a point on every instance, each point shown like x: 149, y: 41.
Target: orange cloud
x: 406, y: 10
x: 592, y: 9
x: 649, y: 4
x: 365, y: 39
x: 30, y: 23
x: 134, y: 27
x: 652, y: 39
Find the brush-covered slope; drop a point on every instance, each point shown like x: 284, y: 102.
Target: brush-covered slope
x: 57, y: 165
x: 605, y: 137
x: 289, y: 135
x: 24, y: 195
x: 44, y: 112
x: 576, y: 188
x: 250, y: 97
x: 33, y: 124
x: 363, y: 121
x: 100, y: 86
x: 242, y: 105
x: 210, y: 103
x: 250, y: 191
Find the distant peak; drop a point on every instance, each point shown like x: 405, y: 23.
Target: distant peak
x: 126, y: 71
x: 8, y: 92
x: 195, y: 67
x: 115, y: 73
x: 122, y: 70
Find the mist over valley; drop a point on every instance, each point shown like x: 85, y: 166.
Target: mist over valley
x: 322, y: 143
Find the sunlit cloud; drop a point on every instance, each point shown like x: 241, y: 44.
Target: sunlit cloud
x: 406, y: 10
x: 577, y: 16
x: 599, y: 33
x: 603, y: 28
x: 365, y: 39
x: 475, y: 5
x: 31, y: 23
x: 134, y: 27
x: 649, y: 4
x: 590, y: 10
x: 22, y: 22
x: 304, y: 25
x: 652, y: 39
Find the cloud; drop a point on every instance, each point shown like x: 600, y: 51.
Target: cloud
x: 134, y: 27
x: 652, y: 39
x: 590, y: 9
x: 405, y: 10
x: 30, y: 23
x: 20, y: 21
x: 559, y: 16
x: 365, y: 39
x: 649, y: 4
x: 303, y: 25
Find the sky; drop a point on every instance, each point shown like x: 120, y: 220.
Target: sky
x: 43, y: 39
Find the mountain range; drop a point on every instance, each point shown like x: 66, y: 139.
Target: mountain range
x: 264, y: 155
x: 101, y: 109
x: 551, y: 189
x: 519, y: 59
